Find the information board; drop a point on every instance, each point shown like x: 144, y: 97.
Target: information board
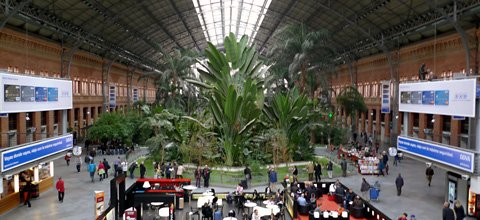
x: 385, y: 97
x: 22, y: 93
x: 22, y: 155
x: 450, y: 97
x: 135, y: 95
x: 443, y: 154
x: 112, y: 97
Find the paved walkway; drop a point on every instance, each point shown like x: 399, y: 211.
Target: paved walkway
x: 417, y: 198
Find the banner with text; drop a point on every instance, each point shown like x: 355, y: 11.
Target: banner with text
x: 446, y: 155
x: 385, y: 96
x: 112, y: 97
x: 21, y: 93
x: 22, y: 155
x: 451, y: 97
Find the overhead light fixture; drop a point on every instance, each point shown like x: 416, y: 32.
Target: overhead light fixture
x: 27, y: 118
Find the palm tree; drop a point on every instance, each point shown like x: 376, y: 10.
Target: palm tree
x: 298, y: 46
x: 352, y: 101
x: 175, y: 68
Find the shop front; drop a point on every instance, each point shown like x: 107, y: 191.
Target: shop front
x: 32, y: 163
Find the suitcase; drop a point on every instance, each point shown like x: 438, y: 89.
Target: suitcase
x: 374, y: 193
x: 217, y: 215
x: 181, y: 203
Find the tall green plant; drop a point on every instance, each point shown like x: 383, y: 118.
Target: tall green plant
x: 352, y: 101
x: 234, y: 86
x: 298, y: 47
x: 289, y: 113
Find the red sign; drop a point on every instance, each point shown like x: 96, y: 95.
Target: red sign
x: 130, y: 215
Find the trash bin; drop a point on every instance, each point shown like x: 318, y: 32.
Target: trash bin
x: 181, y: 203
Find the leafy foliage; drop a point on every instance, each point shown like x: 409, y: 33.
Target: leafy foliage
x: 113, y: 127
x: 233, y: 81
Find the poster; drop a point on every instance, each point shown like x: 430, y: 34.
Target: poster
x: 447, y: 97
x: 452, y: 190
x: 99, y: 203
x: 386, y: 96
x: 12, y: 93
x: 21, y: 93
x: 28, y: 94
x: 112, y: 97
x: 40, y: 94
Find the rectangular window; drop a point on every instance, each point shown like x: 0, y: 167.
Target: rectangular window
x: 12, y: 121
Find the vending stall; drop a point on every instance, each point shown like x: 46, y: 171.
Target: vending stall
x: 30, y: 163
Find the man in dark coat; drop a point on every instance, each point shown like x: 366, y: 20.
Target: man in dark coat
x: 429, y: 173
x: 399, y: 184
x: 143, y: 170
x: 448, y: 213
x: 206, y: 176
x: 318, y: 172
x: 344, y: 167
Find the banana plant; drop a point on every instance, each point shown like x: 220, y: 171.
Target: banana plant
x: 289, y: 113
x: 234, y: 84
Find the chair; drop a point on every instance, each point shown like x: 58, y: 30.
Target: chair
x: 303, y: 210
x: 357, y: 212
x: 338, y: 198
x: 334, y: 214
x: 207, y: 213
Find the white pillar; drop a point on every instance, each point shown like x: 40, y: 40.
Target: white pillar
x: 16, y: 183
x: 36, y: 176
x: 51, y: 169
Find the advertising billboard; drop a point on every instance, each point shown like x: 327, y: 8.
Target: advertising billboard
x: 22, y: 155
x: 450, y: 156
x: 450, y: 97
x: 21, y: 93
x: 112, y: 97
x: 385, y: 97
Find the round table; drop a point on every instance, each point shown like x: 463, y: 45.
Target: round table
x: 156, y: 205
x: 229, y: 218
x: 250, y: 205
x: 267, y: 202
x: 189, y: 189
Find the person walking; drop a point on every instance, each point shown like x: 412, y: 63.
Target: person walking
x: 180, y: 170
x: 295, y: 173
x: 143, y: 170
x: 168, y: 171
x: 318, y: 172
x: 399, y: 184
x: 132, y: 168
x: 206, y: 176
x: 175, y: 168
x: 364, y: 188
x: 116, y: 166
x: 79, y: 164
x: 429, y: 173
x: 101, y: 170
x: 447, y: 212
x: 396, y: 159
x: 385, y: 161
x: 27, y: 193
x: 92, y: 168
x: 248, y: 175
x: 343, y: 164
x: 68, y: 156
x: 273, y: 179
x: 330, y: 169
x: 198, y: 176
x: 60, y: 189
x: 124, y: 167
x: 310, y: 171
x: 459, y: 211
x: 107, y: 167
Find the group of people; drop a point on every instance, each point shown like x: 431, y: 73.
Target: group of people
x: 168, y: 170
x: 457, y: 213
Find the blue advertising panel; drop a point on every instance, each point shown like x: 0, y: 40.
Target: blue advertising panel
x: 52, y: 94
x: 428, y: 97
x: 449, y: 156
x: 19, y: 156
x: 40, y: 94
x: 441, y: 97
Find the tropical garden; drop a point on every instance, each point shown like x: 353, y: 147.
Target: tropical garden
x: 231, y: 106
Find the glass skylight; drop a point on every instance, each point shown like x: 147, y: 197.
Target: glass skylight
x: 220, y: 17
